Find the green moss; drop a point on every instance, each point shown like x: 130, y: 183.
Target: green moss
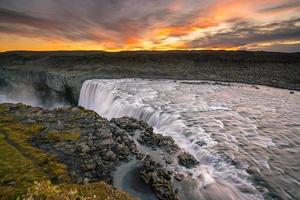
x: 7, y: 118
x: 19, y: 135
x: 3, y: 108
x: 30, y: 173
x: 100, y: 191
x: 16, y: 171
x: 56, y: 136
x: 93, y: 191
x: 21, y: 163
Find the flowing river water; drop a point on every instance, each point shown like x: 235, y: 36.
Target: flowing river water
x: 246, y: 138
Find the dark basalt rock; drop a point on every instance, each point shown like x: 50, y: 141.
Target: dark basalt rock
x: 159, y: 178
x: 95, y: 154
x: 93, y: 147
x: 129, y: 124
x: 146, y: 136
x: 187, y: 160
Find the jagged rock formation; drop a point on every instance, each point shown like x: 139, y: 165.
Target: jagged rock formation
x: 92, y: 147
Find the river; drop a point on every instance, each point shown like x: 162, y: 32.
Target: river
x: 246, y: 138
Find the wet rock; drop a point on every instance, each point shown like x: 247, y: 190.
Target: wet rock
x: 179, y: 176
x: 146, y: 135
x: 254, y: 86
x: 123, y: 151
x: 110, y: 156
x: 140, y: 156
x: 187, y: 160
x: 167, y: 160
x: 149, y: 138
x: 159, y: 178
x: 201, y: 143
x: 129, y: 124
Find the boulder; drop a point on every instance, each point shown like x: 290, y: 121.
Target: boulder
x: 187, y: 160
x: 159, y: 178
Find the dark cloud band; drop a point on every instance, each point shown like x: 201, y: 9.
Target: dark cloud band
x: 128, y: 22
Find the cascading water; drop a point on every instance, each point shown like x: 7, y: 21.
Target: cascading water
x: 215, y: 123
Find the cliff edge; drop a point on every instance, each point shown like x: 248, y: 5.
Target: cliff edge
x: 64, y: 72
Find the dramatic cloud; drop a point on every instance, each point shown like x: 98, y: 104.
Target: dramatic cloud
x: 143, y: 24
x: 283, y: 6
x: 247, y: 35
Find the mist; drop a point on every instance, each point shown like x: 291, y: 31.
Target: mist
x: 33, y: 95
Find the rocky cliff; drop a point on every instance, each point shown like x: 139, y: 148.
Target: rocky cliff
x: 29, y: 172
x: 64, y: 72
x: 72, y: 146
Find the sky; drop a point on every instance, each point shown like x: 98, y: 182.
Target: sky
x: 117, y: 25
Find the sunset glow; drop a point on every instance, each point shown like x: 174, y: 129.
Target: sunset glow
x: 271, y: 25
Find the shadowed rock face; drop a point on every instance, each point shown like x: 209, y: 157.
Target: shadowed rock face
x: 64, y: 72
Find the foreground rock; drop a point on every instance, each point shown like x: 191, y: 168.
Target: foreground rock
x: 187, y: 160
x: 145, y: 134
x: 160, y: 179
x: 27, y: 172
x: 92, y: 147
x: 93, y: 155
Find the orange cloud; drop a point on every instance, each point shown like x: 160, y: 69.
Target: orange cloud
x: 161, y: 25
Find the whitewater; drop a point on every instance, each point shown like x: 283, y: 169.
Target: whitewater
x: 246, y: 138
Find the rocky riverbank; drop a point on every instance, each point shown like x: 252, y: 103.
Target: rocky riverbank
x: 90, y: 147
x: 60, y: 74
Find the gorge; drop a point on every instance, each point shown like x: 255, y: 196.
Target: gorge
x: 191, y: 135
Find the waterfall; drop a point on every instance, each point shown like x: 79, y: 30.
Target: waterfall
x: 101, y: 99
x: 143, y: 101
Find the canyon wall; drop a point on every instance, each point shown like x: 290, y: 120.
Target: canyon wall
x: 64, y: 72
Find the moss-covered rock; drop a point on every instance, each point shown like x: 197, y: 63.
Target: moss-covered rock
x: 28, y: 172
x: 93, y: 191
x: 58, y: 148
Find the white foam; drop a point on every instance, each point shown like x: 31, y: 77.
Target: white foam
x: 180, y: 111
